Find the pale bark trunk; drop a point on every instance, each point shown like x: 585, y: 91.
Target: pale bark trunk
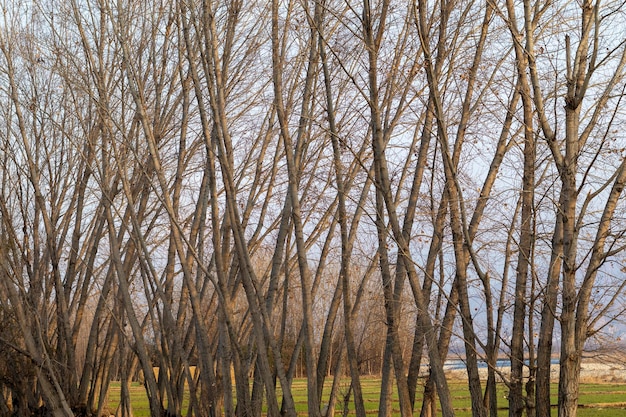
x: 347, y: 240
x: 517, y: 403
x: 392, y: 348
x: 293, y: 183
x: 548, y: 316
x: 462, y: 262
x: 383, y: 185
x: 570, y: 360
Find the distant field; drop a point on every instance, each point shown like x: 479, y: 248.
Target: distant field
x: 596, y: 400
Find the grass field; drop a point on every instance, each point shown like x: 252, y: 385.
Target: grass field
x: 596, y: 400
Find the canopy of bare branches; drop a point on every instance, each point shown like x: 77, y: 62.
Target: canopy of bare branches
x: 216, y: 197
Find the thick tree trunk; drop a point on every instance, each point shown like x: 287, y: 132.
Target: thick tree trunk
x: 570, y: 358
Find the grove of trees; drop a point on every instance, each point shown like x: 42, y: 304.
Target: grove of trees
x: 219, y: 196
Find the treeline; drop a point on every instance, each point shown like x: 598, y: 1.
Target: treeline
x: 222, y: 195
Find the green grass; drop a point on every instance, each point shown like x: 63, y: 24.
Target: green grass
x: 595, y: 399
x: 138, y: 399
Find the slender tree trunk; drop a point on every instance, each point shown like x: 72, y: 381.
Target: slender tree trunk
x: 548, y: 316
x: 516, y: 401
